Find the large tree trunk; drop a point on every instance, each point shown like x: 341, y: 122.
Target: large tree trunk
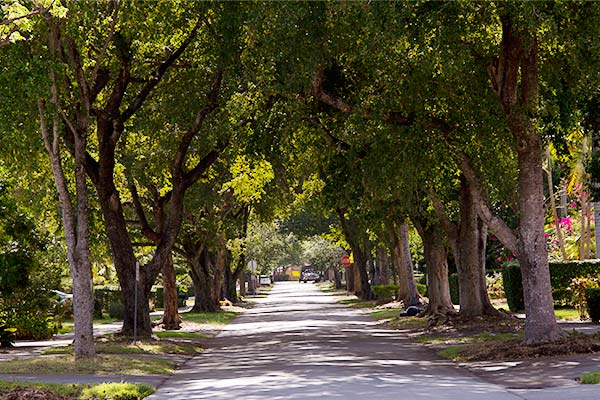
x: 74, y: 218
x: 436, y: 258
x: 514, y: 77
x: 206, y: 291
x: 408, y: 291
x: 362, y: 287
x: 470, y: 258
x: 170, y: 319
x: 350, y: 278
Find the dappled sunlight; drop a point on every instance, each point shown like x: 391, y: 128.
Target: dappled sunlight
x: 299, y: 344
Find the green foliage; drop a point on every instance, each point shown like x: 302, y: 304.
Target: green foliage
x: 590, y: 378
x: 117, y: 391
x: 513, y: 286
x: 422, y: 288
x: 495, y: 285
x: 30, y: 325
x: 104, y: 296
x: 563, y: 273
x: 454, y: 288
x: 116, y: 310
x: 385, y: 293
x: 7, y: 333
x: 592, y: 298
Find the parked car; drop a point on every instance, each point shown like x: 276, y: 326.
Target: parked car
x: 309, y: 275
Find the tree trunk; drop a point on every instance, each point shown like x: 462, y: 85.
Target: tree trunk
x: 362, y: 288
x: 403, y: 266
x: 75, y: 225
x: 436, y: 258
x: 337, y: 278
x: 514, y: 77
x: 470, y: 258
x: 200, y: 266
x: 350, y: 278
x: 170, y: 319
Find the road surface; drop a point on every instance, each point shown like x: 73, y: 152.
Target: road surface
x: 298, y: 343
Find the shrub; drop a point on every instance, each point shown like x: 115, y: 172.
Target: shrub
x: 513, y: 286
x: 117, y: 391
x: 563, y: 273
x: 422, y: 288
x: 116, y: 310
x: 495, y: 285
x: 592, y: 297
x: 578, y: 287
x: 7, y: 333
x: 454, y: 288
x: 31, y: 326
x: 160, y: 297
x: 385, y: 293
x: 106, y: 295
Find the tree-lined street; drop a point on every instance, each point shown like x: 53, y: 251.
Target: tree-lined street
x: 298, y: 343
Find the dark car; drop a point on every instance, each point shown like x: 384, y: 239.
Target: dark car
x: 309, y: 275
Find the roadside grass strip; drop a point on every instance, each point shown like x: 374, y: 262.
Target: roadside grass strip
x: 218, y: 318
x: 590, y: 378
x: 99, y: 391
x: 180, y: 335
x: 101, y: 364
x: 109, y: 345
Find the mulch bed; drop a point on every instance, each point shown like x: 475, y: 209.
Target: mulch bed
x: 516, y: 349
x: 27, y: 393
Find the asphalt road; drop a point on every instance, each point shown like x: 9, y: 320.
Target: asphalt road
x: 299, y: 344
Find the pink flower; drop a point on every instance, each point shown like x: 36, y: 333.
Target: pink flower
x: 586, y: 195
x: 546, y: 235
x: 566, y: 223
x: 573, y: 204
x: 499, y: 259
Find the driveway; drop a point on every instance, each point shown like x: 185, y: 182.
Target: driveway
x: 299, y: 344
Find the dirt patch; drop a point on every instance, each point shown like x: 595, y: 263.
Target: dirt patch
x: 27, y: 393
x: 462, y: 326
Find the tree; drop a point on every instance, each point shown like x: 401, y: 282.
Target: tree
x: 112, y: 91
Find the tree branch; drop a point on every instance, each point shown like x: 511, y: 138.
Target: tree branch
x: 159, y: 73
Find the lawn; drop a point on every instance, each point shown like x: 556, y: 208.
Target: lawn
x: 67, y: 325
x: 110, y: 345
x: 101, y: 364
x: 218, y: 318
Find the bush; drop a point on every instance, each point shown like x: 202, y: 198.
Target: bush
x: 495, y: 285
x: 592, y: 297
x: 385, y: 293
x: 30, y: 326
x: 513, y: 286
x: 160, y: 297
x: 117, y: 391
x: 116, y: 310
x: 106, y: 295
x: 563, y: 273
x: 422, y: 288
x: 454, y: 288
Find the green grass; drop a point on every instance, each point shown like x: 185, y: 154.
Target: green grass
x: 484, y: 337
x: 590, y: 378
x: 566, y: 313
x: 101, y: 364
x: 386, y: 313
x: 150, y: 347
x: 67, y: 326
x: 99, y: 391
x: 452, y: 353
x: 180, y: 335
x: 359, y: 303
x: 218, y: 318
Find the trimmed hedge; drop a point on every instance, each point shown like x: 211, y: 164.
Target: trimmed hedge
x: 561, y: 275
x: 592, y: 298
x: 513, y: 286
x: 454, y: 288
